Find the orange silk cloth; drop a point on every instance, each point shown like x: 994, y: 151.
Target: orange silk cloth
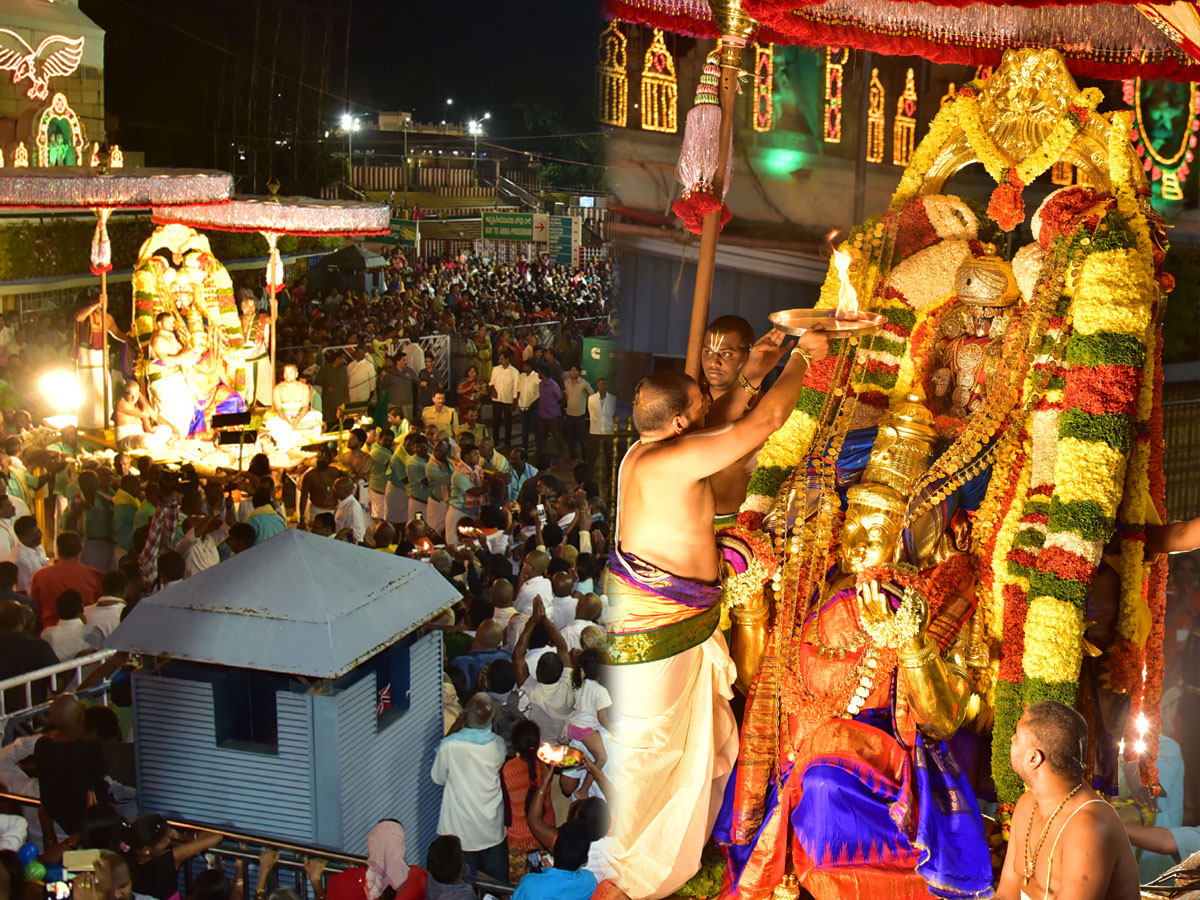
x: 802, y: 739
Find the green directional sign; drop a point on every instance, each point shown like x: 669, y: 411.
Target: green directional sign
x: 507, y: 226
x: 565, y: 232
x: 406, y: 232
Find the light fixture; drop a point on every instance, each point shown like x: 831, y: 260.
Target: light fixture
x: 60, y: 390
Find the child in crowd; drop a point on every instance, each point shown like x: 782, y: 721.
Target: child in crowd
x: 591, y: 706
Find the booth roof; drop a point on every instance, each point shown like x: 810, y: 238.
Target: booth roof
x: 354, y: 258
x: 297, y: 604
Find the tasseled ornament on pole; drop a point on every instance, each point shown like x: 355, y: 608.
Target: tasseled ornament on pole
x: 101, y: 255
x: 701, y: 151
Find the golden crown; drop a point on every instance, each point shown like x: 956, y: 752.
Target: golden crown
x: 987, y: 280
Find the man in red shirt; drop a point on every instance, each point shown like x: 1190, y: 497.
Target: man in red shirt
x: 65, y: 574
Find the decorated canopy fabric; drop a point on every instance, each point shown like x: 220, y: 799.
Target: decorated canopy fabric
x: 1100, y: 40
x: 79, y: 187
x: 303, y: 216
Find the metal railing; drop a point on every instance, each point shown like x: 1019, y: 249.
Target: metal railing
x: 244, y: 846
x: 506, y: 187
x: 25, y: 683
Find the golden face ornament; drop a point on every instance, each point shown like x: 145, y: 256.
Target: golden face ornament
x: 871, y: 533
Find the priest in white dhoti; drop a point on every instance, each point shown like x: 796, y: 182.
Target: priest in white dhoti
x: 291, y: 420
x: 256, y: 330
x: 92, y: 325
x: 170, y: 391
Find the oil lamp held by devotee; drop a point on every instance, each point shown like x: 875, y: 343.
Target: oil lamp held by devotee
x: 845, y: 321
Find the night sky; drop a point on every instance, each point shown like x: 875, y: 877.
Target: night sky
x: 251, y: 85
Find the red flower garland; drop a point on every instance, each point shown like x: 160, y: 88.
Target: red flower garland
x: 1007, y: 206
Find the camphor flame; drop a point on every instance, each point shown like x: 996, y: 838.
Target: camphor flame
x: 555, y: 755
x: 1143, y: 725
x: 847, y: 297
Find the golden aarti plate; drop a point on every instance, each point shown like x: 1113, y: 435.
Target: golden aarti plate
x: 855, y: 324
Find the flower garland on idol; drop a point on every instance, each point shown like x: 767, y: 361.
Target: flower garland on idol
x: 1087, y: 455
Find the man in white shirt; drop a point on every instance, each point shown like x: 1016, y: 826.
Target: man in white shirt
x: 529, y: 388
x: 503, y: 610
x: 562, y: 612
x: 534, y: 582
x: 29, y: 555
x: 587, y: 612
x: 415, y: 354
x: 349, y: 513
x: 72, y: 636
x: 360, y: 376
x: 467, y: 764
x: 576, y: 424
x: 602, y: 407
x: 203, y: 550
x: 105, y: 613
x: 504, y: 386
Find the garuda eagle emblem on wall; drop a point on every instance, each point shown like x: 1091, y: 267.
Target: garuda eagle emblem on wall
x: 55, y: 56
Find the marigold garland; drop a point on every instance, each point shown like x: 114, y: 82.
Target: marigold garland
x: 1090, y: 455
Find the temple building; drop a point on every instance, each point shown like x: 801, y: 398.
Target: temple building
x: 52, y: 106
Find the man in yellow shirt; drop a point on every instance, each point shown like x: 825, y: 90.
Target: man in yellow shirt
x: 441, y: 415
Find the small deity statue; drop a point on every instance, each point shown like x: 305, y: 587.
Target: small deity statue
x: 970, y: 332
x: 872, y: 682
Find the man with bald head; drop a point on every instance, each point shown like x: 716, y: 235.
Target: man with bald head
x: 349, y: 513
x: 467, y: 764
x: 588, y: 609
x: 561, y: 609
x: 501, y: 593
x: 487, y: 646
x: 69, y: 768
x: 670, y: 672
x: 533, y: 582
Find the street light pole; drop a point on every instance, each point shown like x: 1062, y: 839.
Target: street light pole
x: 406, y: 163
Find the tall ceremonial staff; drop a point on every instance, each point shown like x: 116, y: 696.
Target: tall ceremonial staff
x: 706, y: 174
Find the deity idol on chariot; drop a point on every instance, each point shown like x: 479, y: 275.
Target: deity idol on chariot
x: 188, y: 328
x: 936, y: 508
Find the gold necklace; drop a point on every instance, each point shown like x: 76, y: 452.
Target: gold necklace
x: 1031, y: 863
x: 857, y: 642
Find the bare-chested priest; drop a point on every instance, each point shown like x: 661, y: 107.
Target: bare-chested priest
x: 1067, y: 842
x: 137, y: 426
x: 291, y: 420
x: 674, y: 739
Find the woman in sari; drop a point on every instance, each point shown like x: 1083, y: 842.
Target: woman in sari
x: 471, y: 391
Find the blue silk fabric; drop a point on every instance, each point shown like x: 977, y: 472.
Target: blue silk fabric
x: 233, y: 403
x: 850, y: 815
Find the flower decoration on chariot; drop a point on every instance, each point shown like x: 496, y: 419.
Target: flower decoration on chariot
x: 1067, y: 210
x: 987, y: 281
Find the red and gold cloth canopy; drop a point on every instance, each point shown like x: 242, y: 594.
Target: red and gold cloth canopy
x: 1099, y: 40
